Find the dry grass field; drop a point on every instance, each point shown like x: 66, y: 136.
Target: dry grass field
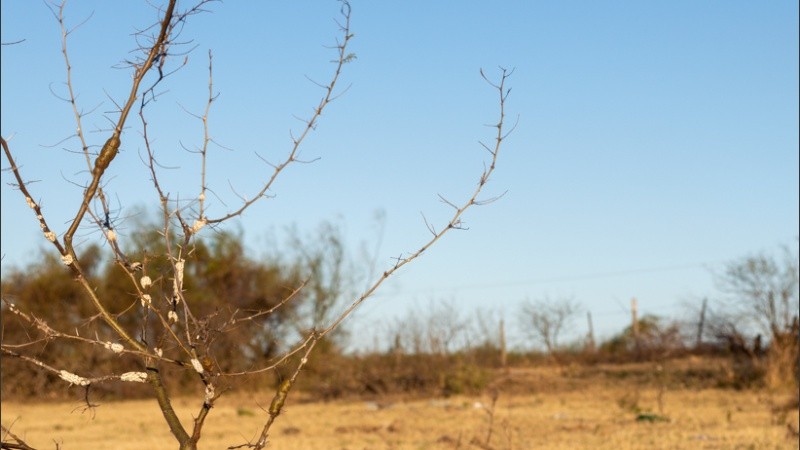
x: 540, y: 410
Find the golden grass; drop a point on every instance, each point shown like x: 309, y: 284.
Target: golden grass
x: 596, y: 415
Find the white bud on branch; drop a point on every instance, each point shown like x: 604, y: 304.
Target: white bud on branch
x: 71, y: 378
x: 134, y: 377
x: 209, y: 393
x: 67, y: 259
x: 177, y: 282
x: 198, y: 225
x: 111, y: 235
x: 50, y: 236
x: 146, y: 300
x: 30, y: 202
x: 146, y: 282
x: 172, y: 316
x: 197, y: 366
x: 114, y: 347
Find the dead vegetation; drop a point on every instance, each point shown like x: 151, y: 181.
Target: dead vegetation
x: 626, y: 406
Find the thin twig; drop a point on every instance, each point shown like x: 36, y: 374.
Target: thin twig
x: 310, y: 124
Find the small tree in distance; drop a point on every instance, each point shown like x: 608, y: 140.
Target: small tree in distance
x: 762, y: 297
x: 763, y: 291
x: 160, y: 328
x: 545, y: 319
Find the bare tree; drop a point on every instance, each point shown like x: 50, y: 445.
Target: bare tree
x: 762, y: 298
x: 545, y: 319
x: 322, y: 260
x: 160, y: 328
x: 441, y: 330
x: 762, y: 291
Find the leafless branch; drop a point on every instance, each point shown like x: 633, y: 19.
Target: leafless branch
x: 111, y: 147
x: 276, y: 406
x: 18, y: 443
x: 455, y: 220
x: 310, y: 124
x: 59, y: 15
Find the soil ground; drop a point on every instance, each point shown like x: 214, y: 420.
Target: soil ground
x: 537, y: 409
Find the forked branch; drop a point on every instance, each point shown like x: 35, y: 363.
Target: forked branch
x: 454, y: 223
x: 111, y: 147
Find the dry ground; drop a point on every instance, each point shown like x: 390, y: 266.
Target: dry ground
x: 586, y: 414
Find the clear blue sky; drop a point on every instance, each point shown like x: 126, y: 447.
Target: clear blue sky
x: 656, y: 140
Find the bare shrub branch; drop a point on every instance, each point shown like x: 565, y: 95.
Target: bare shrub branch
x: 174, y: 301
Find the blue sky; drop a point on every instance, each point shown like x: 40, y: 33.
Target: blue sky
x: 656, y: 140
